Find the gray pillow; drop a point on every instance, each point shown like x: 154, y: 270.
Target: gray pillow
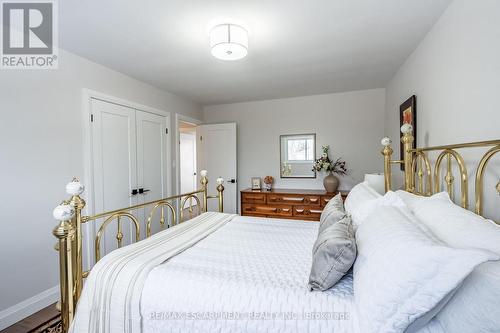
x: 334, y: 253
x: 332, y: 213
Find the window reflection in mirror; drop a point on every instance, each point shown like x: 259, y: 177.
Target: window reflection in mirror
x: 297, y: 155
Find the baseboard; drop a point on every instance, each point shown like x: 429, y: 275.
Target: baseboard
x: 27, y: 307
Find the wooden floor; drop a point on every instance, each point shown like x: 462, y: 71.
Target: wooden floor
x: 33, y: 321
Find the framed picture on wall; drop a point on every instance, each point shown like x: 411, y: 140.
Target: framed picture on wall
x: 408, y: 115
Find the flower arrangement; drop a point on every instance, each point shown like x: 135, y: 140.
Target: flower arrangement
x: 268, y: 181
x: 324, y: 163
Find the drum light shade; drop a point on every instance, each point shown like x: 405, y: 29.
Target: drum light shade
x: 229, y: 42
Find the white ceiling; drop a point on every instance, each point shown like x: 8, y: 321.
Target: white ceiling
x: 296, y: 48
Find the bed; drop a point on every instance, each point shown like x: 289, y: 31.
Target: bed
x: 227, y: 273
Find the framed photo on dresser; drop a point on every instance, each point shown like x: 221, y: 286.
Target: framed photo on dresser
x: 408, y: 115
x: 255, y: 183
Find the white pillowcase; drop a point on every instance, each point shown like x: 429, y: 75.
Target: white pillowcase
x: 453, y: 224
x: 363, y: 210
x: 402, y: 274
x: 474, y: 307
x: 359, y: 195
x: 411, y: 200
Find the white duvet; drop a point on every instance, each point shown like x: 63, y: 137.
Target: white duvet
x: 248, y: 276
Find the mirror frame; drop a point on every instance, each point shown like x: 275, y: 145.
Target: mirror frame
x: 314, y: 156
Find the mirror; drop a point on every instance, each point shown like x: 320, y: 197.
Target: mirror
x: 297, y: 155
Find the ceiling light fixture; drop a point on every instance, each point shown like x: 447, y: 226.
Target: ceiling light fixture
x: 229, y: 41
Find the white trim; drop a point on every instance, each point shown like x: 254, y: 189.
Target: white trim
x: 88, y: 180
x: 117, y: 100
x: 177, y: 163
x: 28, y: 307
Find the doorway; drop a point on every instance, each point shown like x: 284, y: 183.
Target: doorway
x: 187, y: 156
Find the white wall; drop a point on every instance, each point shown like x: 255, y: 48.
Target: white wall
x: 455, y: 73
x: 41, y: 150
x: 351, y: 123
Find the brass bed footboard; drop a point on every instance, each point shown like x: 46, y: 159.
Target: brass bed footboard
x: 422, y: 177
x: 69, y: 232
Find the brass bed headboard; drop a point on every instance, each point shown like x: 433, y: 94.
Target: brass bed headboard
x: 422, y: 179
x: 69, y: 233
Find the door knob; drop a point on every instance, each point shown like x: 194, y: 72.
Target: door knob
x: 142, y: 191
x: 232, y: 181
x: 134, y: 191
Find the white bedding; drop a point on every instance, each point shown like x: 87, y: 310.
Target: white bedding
x: 110, y: 301
x: 227, y: 273
x: 245, y: 273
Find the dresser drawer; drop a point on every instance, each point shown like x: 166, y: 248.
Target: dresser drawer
x: 325, y: 200
x: 259, y: 198
x: 294, y: 199
x: 307, y: 212
x: 270, y: 210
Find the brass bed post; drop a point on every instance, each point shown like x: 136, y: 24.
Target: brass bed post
x: 75, y: 188
x: 220, y: 190
x: 204, y: 184
x: 387, y: 152
x: 65, y: 233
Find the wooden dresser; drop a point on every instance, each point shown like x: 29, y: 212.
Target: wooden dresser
x: 286, y: 203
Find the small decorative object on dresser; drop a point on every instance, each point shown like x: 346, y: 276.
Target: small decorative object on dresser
x: 286, y: 203
x: 268, y: 182
x: 255, y: 183
x: 324, y: 163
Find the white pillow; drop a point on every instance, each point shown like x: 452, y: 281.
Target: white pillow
x: 362, y: 211
x: 474, y: 307
x: 359, y: 194
x: 455, y: 225
x: 401, y: 274
x: 411, y: 200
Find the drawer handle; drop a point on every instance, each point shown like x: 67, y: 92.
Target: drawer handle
x: 313, y: 199
x: 316, y: 211
x: 270, y: 209
x: 293, y: 199
x: 253, y: 197
x: 286, y: 210
x: 326, y: 200
x: 299, y: 210
x: 274, y: 198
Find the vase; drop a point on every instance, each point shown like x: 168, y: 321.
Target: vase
x: 331, y: 183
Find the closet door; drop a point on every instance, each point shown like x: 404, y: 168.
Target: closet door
x: 152, y: 170
x: 115, y: 165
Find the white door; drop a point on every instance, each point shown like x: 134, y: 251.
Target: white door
x: 114, y: 164
x: 130, y: 153
x: 152, y: 169
x: 218, y: 157
x: 188, y: 162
